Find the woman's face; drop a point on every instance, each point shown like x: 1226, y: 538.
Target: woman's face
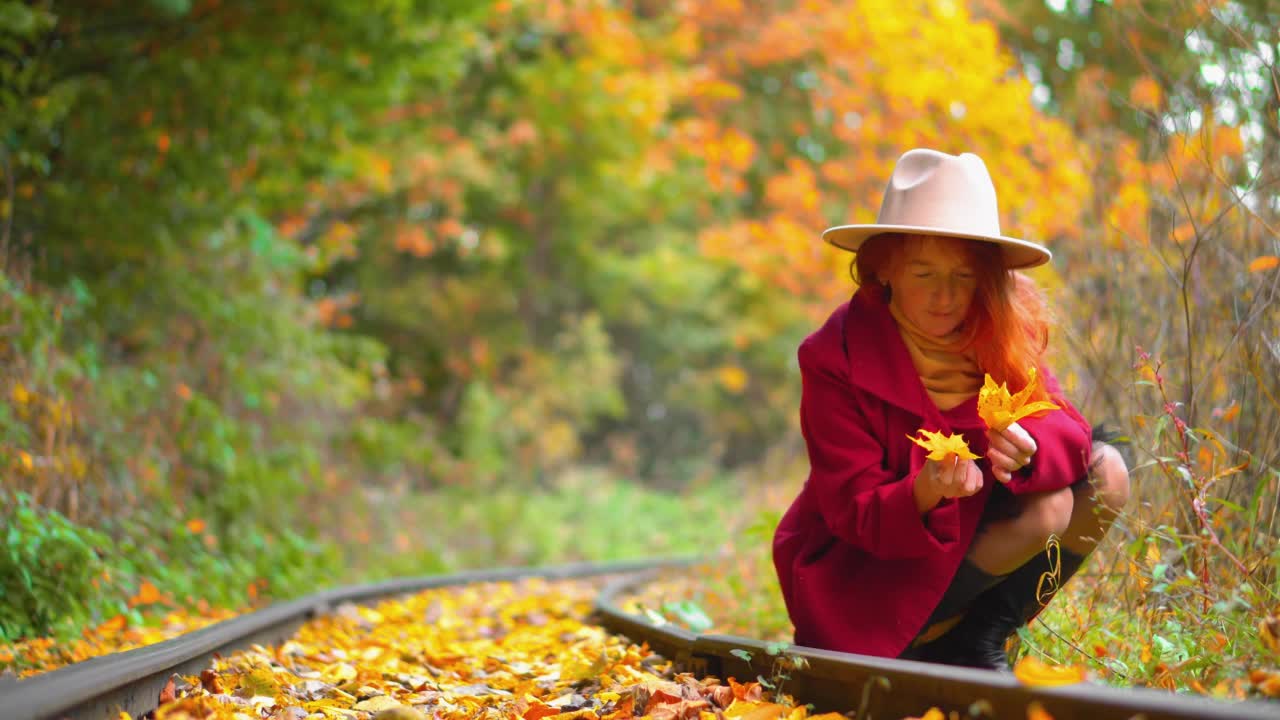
x: 933, y: 281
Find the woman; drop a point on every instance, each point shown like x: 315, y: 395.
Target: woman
x: 885, y: 552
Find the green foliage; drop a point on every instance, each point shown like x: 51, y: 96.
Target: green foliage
x: 32, y: 107
x: 485, y: 438
x: 161, y: 348
x: 586, y: 516
x: 50, y: 570
x: 390, y: 449
x: 223, y: 89
x: 1090, y: 56
x: 234, y: 374
x: 232, y: 570
x: 59, y: 577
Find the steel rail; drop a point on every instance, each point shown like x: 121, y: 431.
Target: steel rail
x: 888, y: 689
x: 100, y: 688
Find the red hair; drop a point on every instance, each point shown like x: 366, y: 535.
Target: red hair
x: 1009, y: 316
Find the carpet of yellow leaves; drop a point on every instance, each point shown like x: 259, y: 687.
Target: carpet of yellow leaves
x: 504, y: 650
x: 38, y: 655
x: 493, y: 651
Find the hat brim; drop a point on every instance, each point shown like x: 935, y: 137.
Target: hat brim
x: 1018, y: 254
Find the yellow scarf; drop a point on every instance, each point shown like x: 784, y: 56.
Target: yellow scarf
x: 947, y: 366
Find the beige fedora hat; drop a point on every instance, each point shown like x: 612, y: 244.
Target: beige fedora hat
x: 933, y: 193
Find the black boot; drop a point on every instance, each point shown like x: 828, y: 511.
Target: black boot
x: 979, y: 640
x: 969, y: 582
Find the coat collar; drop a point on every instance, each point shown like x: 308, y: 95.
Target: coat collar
x: 879, y: 362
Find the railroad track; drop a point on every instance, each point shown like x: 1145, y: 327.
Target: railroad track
x: 100, y: 688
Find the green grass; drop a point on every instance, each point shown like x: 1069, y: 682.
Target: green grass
x: 586, y: 515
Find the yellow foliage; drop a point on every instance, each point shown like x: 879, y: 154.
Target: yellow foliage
x: 557, y: 442
x: 511, y: 650
x: 927, y: 74
x: 732, y: 378
x: 795, y: 190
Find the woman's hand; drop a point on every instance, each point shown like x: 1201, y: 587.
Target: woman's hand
x: 950, y: 477
x: 1009, y: 451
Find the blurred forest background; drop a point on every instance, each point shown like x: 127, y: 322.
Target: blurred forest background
x: 298, y: 293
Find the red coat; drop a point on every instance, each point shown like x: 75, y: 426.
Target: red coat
x: 860, y: 568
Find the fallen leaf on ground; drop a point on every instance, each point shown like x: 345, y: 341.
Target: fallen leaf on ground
x: 1037, y: 673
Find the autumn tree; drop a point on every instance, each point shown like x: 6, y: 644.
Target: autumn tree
x: 163, y: 355
x: 1183, y: 101
x: 1177, y: 266
x: 681, y: 170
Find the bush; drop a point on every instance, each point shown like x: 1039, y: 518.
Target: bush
x: 50, y: 568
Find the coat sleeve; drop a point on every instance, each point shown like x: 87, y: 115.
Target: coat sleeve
x: 1063, y: 445
x: 861, y: 502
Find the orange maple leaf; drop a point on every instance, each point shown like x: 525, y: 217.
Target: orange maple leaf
x: 998, y: 409
x: 940, y: 446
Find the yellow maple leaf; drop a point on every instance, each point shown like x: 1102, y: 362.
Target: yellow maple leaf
x: 1037, y: 673
x: 940, y: 446
x: 998, y: 409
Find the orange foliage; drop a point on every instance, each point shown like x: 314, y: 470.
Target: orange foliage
x: 878, y: 78
x: 413, y: 239
x: 333, y: 311
x: 1146, y: 94
x: 146, y: 595
x: 864, y: 80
